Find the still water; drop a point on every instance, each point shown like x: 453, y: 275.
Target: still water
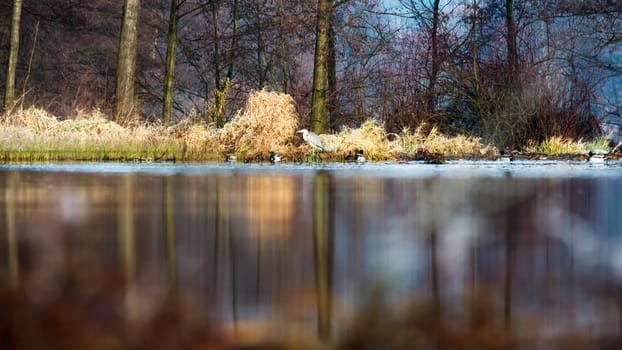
x: 378, y: 256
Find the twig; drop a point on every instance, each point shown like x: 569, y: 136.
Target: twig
x: 32, y: 54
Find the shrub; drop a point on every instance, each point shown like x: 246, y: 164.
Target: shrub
x: 267, y: 122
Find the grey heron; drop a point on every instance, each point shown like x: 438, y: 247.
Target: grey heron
x: 312, y: 139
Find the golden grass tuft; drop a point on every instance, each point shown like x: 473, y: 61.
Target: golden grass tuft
x: 599, y: 144
x: 556, y: 145
x: 436, y: 142
x: 371, y: 137
x: 267, y: 123
x: 198, y: 141
x: 34, y: 135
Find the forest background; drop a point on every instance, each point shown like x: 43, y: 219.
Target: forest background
x: 511, y: 72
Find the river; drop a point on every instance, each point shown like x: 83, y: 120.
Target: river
x: 485, y: 254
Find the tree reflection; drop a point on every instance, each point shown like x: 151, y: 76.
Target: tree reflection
x: 11, y: 231
x: 169, y: 232
x: 127, y: 240
x: 323, y: 249
x: 491, y: 264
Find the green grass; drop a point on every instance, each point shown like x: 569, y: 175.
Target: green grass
x: 558, y: 146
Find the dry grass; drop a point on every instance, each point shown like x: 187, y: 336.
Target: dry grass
x: 370, y: 137
x: 556, y: 145
x: 435, y: 142
x: 267, y: 123
x: 33, y: 135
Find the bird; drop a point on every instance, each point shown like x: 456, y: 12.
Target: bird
x: 312, y: 139
x: 356, y: 156
x: 596, y: 158
x: 505, y: 157
x: 231, y: 158
x: 359, y: 156
x: 275, y: 157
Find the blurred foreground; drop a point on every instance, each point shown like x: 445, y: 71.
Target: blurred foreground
x: 358, y: 257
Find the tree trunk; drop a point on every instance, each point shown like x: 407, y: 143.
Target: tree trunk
x: 215, y: 37
x: 126, y: 66
x: 511, y: 42
x: 169, y: 88
x: 284, y: 50
x: 320, y: 68
x: 435, y: 59
x: 9, y: 93
x: 262, y: 68
x: 333, y: 106
x: 234, y: 40
x: 475, y: 53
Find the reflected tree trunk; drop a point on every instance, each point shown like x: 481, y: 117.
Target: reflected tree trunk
x: 258, y: 269
x: 233, y: 263
x: 11, y: 230
x: 433, y: 218
x: 322, y: 252
x: 217, y: 233
x: 169, y: 227
x: 126, y: 236
x: 510, y: 246
x: 474, y: 280
x: 434, y: 276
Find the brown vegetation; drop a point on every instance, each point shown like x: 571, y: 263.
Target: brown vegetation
x: 464, y: 72
x: 267, y: 123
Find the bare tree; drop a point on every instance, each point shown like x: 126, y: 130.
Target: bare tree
x: 428, y: 16
x: 234, y: 39
x: 9, y: 92
x: 320, y: 67
x: 126, y: 66
x: 511, y: 42
x: 169, y: 88
x: 455, y: 64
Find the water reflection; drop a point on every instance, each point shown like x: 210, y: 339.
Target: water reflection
x: 487, y: 262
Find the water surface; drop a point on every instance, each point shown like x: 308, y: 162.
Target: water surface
x: 527, y: 253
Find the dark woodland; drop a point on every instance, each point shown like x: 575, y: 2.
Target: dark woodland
x: 504, y: 70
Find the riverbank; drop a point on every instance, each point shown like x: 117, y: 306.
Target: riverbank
x: 268, y: 123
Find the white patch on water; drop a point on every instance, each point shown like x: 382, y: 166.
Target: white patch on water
x: 74, y: 205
